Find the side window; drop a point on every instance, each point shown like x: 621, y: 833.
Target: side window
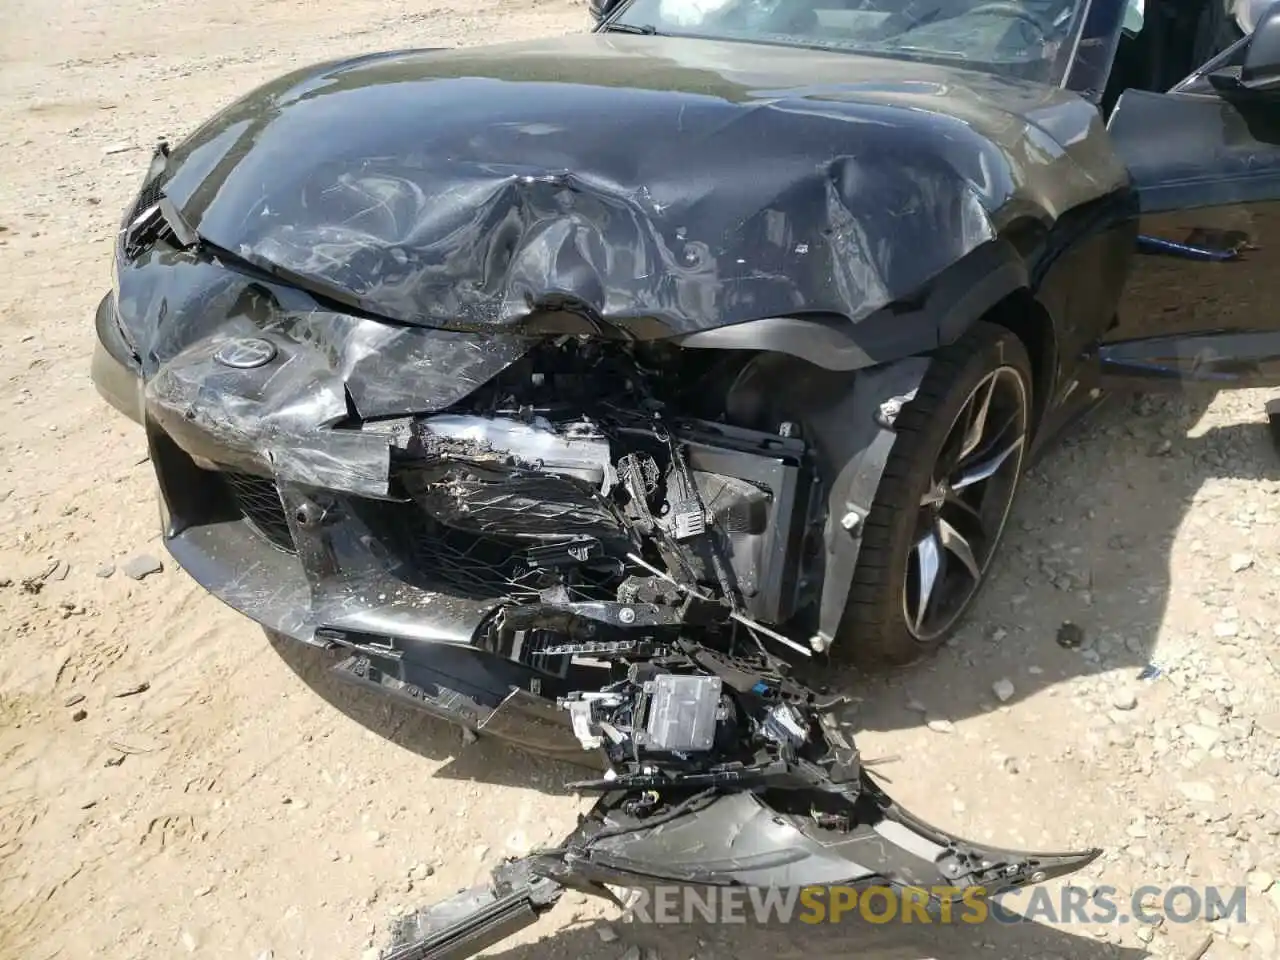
x: 1134, y: 14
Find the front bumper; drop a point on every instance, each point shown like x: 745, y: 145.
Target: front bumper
x: 729, y: 841
x: 311, y: 565
x: 115, y: 369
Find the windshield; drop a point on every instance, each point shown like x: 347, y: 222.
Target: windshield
x: 1027, y: 39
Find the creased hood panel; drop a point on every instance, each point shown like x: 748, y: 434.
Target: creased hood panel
x: 679, y: 184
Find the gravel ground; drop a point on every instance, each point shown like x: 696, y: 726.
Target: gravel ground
x: 169, y: 786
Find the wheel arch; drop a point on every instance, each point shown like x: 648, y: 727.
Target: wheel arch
x: 994, y: 285
x: 1025, y: 317
x: 991, y: 281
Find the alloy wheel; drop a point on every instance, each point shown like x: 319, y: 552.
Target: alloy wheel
x: 964, y: 510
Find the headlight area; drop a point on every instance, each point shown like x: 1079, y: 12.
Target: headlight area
x: 116, y: 369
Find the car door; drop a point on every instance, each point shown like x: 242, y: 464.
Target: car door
x: 1205, y: 162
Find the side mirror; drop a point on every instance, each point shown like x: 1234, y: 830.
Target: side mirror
x: 1261, y: 67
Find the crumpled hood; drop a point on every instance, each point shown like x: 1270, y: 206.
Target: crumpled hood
x: 662, y: 185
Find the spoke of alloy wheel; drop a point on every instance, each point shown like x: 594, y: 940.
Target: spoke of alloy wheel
x: 953, y: 499
x: 994, y: 438
x: 955, y: 543
x: 986, y: 469
x: 928, y: 551
x: 980, y: 406
x: 931, y: 495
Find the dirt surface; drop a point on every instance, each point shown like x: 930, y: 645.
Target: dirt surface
x: 170, y: 786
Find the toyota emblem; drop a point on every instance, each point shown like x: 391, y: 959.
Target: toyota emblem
x: 246, y: 354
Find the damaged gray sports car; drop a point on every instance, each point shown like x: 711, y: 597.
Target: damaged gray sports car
x: 594, y: 392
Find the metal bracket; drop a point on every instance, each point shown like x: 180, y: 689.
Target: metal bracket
x: 879, y: 395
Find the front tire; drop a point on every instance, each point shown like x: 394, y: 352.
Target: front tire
x: 943, y: 501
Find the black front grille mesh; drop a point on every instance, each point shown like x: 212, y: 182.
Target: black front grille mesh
x: 462, y: 563
x: 259, y: 500
x: 148, y: 198
x: 432, y: 555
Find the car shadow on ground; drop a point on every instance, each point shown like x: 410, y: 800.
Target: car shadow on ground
x: 485, y: 760
x: 1088, y: 544
x: 848, y: 938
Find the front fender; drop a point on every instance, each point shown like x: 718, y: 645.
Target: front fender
x: 848, y: 418
x: 947, y: 306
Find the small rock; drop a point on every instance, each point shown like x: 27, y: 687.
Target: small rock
x: 1240, y: 562
x: 1197, y: 791
x: 1146, y: 933
x: 1070, y: 636
x: 133, y: 691
x: 189, y: 941
x: 468, y: 736
x: 141, y: 566
x: 202, y: 891
x: 1003, y: 689
x: 420, y: 871
x: 114, y: 148
x: 267, y: 955
x: 105, y: 570
x: 374, y: 836
x: 1207, y: 717
x: 957, y: 806
x: 481, y: 851
x: 1011, y: 765
x: 373, y: 953
x: 941, y: 726
x: 1205, y: 738
x: 1118, y: 737
x: 79, y: 715
x: 60, y: 571
x: 72, y: 700
x: 606, y: 933
x: 69, y: 608
x: 1226, y: 628
x: 1124, y: 699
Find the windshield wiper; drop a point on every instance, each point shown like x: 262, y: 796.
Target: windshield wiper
x: 644, y: 30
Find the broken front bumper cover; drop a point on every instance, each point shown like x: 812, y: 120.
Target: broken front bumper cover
x: 722, y: 776
x: 727, y: 840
